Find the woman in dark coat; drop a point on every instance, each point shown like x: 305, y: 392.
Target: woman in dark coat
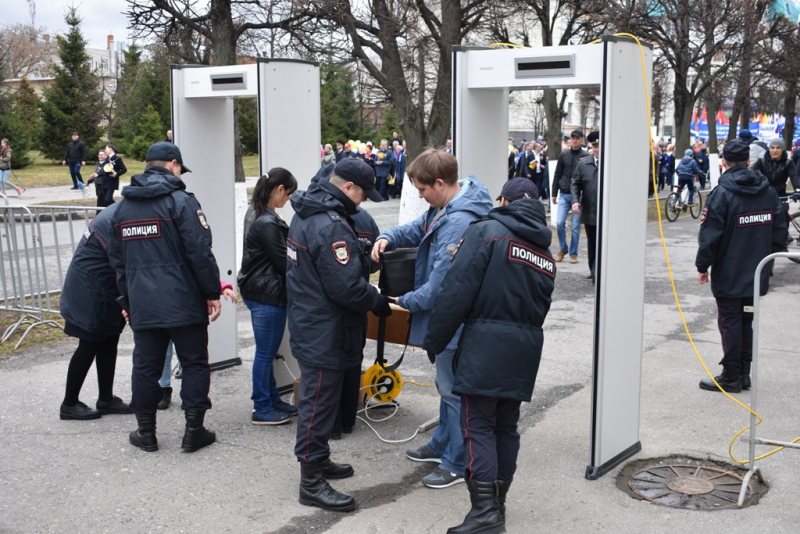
x: 262, y: 281
x: 91, y: 314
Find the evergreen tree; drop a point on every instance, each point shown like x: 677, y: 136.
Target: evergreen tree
x: 73, y: 102
x: 338, y: 103
x: 151, y: 130
x: 247, y: 113
x: 23, y: 124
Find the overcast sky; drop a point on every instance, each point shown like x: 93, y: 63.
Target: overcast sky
x: 100, y: 18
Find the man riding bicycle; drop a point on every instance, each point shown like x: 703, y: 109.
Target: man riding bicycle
x: 686, y: 171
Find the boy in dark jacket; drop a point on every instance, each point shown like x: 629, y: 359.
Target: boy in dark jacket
x: 499, y: 286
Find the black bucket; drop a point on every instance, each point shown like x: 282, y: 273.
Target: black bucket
x: 397, y: 271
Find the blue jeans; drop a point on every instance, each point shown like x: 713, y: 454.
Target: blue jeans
x: 75, y: 172
x: 4, y: 180
x: 447, y: 439
x: 166, y: 375
x: 564, y: 208
x: 269, y: 323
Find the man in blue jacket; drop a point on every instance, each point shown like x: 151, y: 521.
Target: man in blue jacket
x: 327, y: 280
x: 686, y: 171
x: 169, y: 282
x: 499, y: 287
x: 454, y: 205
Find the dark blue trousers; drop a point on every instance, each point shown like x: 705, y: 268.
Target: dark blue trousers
x: 491, y: 440
x: 317, y: 406
x: 149, y: 353
x: 736, y: 330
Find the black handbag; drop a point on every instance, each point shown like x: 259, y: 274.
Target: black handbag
x: 397, y: 271
x: 396, y: 279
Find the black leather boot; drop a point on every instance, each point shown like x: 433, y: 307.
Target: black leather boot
x: 315, y: 490
x: 502, y: 491
x: 730, y: 380
x: 746, y: 375
x: 196, y: 436
x: 484, y: 517
x: 166, y: 399
x: 144, y: 437
x: 333, y: 471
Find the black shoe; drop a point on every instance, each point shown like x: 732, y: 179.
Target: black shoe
x: 79, y: 412
x: 347, y: 429
x: 166, y: 398
x: 502, y: 491
x: 334, y: 471
x: 730, y: 380
x: 115, y: 405
x: 485, y: 515
x: 73, y: 187
x: 746, y: 375
x: 196, y: 436
x: 315, y: 490
x: 336, y: 434
x: 144, y: 437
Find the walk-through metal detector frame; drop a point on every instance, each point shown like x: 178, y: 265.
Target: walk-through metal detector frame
x: 481, y: 82
x: 289, y: 134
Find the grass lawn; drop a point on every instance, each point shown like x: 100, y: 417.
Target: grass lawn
x: 41, y: 334
x: 44, y: 173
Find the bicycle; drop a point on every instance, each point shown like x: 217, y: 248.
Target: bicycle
x: 677, y: 201
x: 793, y: 244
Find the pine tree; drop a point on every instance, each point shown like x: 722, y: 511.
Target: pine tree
x: 73, y: 102
x: 150, y: 131
x: 338, y: 103
x: 23, y: 124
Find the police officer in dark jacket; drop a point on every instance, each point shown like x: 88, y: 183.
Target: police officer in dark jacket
x: 165, y: 270
x: 584, y: 196
x: 329, y: 296
x: 740, y: 225
x: 367, y: 231
x: 91, y: 314
x: 499, y: 286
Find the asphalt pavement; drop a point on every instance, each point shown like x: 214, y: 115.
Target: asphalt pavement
x: 69, y: 476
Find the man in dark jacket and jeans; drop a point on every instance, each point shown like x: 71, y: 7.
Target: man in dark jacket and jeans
x: 169, y: 282
x: 327, y: 278
x: 584, y: 196
x: 75, y: 156
x: 567, y: 162
x: 742, y: 223
x: 499, y: 286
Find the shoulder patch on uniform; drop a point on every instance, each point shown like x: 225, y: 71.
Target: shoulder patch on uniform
x: 291, y: 252
x: 458, y: 247
x: 519, y: 253
x: 753, y: 219
x: 704, y: 215
x: 142, y: 229
x: 89, y: 232
x: 452, y: 248
x: 340, y: 252
x: 202, y: 218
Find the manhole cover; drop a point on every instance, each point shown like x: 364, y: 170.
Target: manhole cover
x: 688, y: 486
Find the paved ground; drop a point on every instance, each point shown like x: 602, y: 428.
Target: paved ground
x: 67, y: 476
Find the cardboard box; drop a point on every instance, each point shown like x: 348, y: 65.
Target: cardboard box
x: 397, y: 325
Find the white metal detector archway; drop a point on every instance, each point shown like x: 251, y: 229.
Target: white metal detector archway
x: 481, y: 82
x: 202, y: 123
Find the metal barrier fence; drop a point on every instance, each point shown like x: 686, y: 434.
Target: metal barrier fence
x: 36, y: 248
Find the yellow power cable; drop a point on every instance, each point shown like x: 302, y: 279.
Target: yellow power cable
x: 672, y: 279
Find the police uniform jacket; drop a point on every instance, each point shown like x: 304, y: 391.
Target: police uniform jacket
x: 500, y: 286
x: 327, y: 280
x: 565, y: 167
x: 740, y: 225
x: 436, y: 233
x: 88, y: 298
x: 585, y: 182
x: 262, y: 277
x: 161, y: 251
x: 778, y: 172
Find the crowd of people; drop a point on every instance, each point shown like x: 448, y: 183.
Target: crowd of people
x: 314, y: 275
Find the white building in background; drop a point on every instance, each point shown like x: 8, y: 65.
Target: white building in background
x: 104, y: 62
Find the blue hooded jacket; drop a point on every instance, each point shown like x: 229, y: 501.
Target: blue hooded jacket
x: 437, y: 234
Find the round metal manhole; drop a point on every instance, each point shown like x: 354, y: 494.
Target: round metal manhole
x: 695, y: 487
